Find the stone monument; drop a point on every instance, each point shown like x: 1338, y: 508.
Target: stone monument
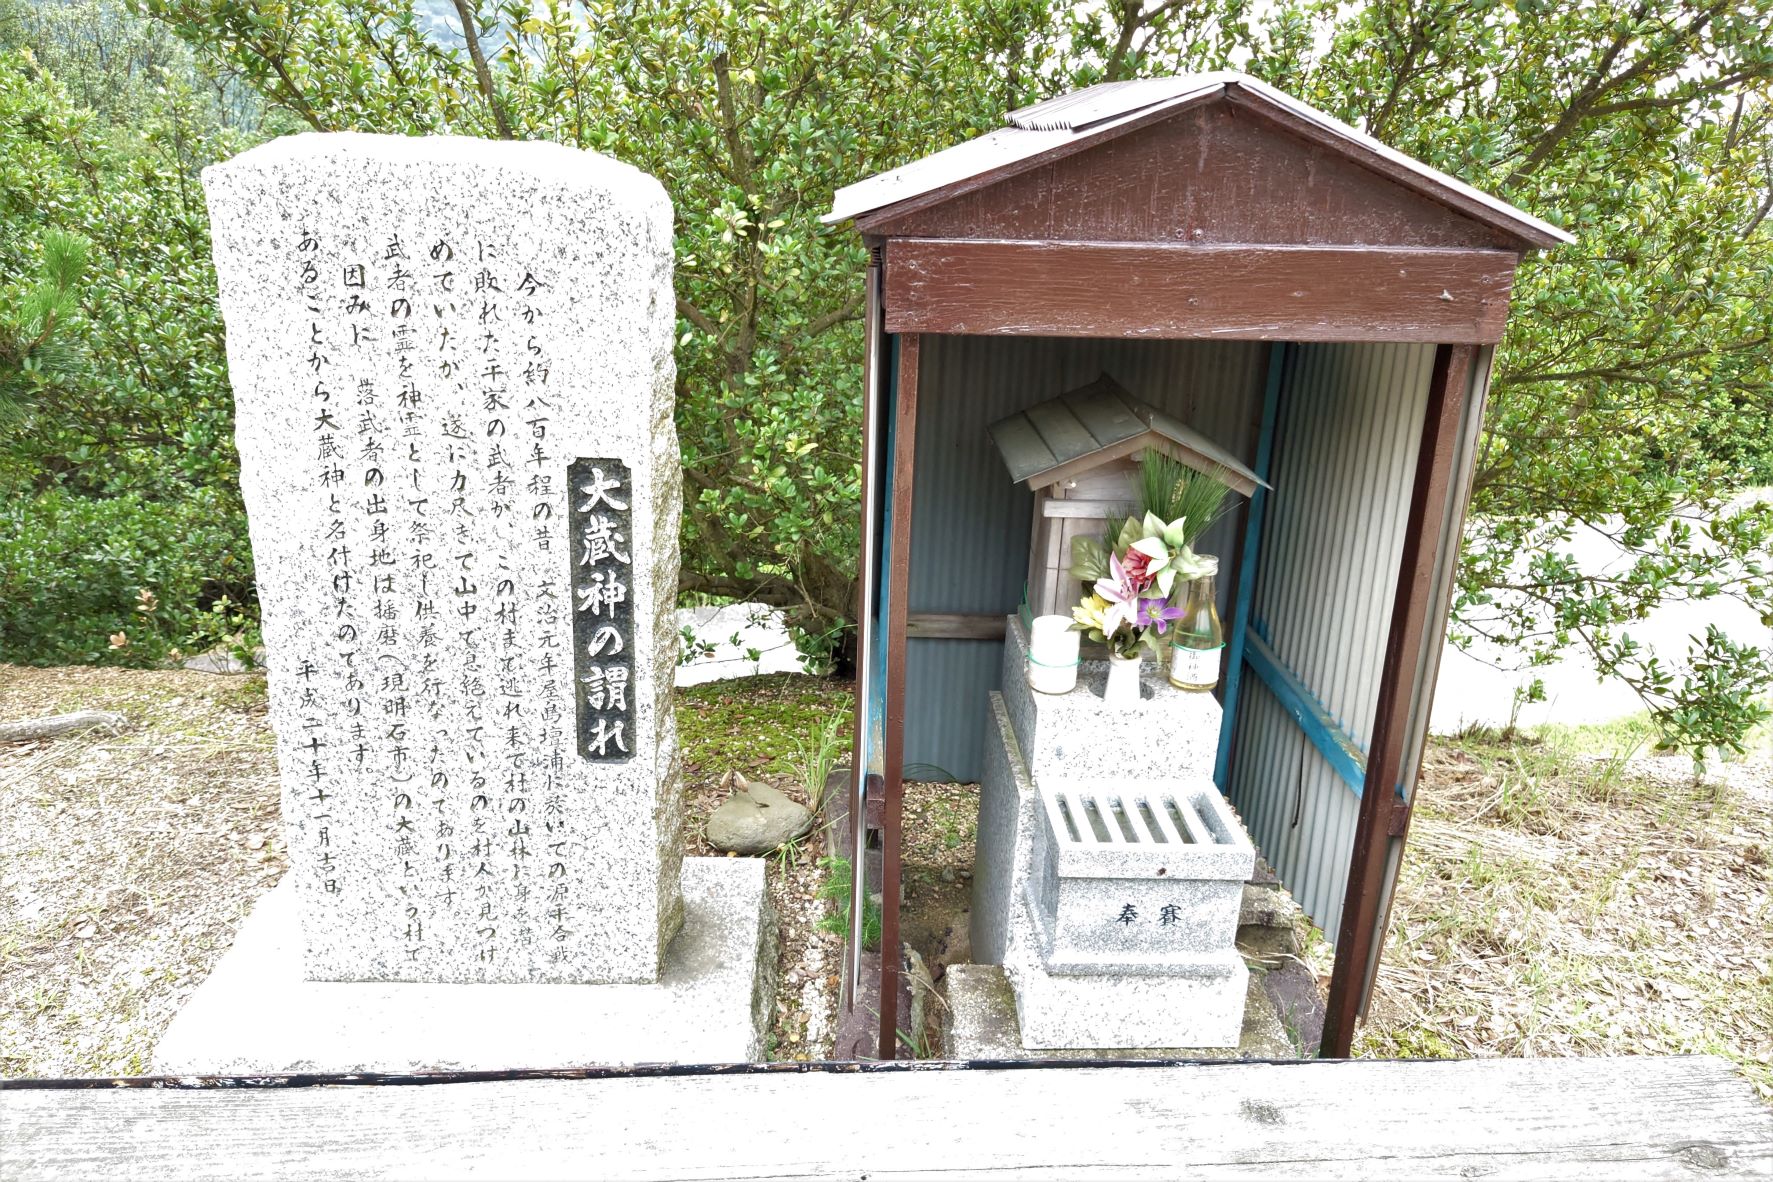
x: 453, y: 380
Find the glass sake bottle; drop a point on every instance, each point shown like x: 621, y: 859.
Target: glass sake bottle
x: 1198, y: 635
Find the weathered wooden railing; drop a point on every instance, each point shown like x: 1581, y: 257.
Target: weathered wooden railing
x: 1497, y: 1118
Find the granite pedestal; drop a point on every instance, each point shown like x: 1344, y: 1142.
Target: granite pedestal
x: 256, y: 1015
x: 1197, y: 1001
x: 982, y: 1025
x: 1170, y: 733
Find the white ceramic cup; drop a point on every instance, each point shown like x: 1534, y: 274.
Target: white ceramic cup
x: 1052, y: 655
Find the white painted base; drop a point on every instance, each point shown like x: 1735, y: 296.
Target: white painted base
x: 256, y: 1016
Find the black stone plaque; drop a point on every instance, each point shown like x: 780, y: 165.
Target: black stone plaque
x: 602, y: 568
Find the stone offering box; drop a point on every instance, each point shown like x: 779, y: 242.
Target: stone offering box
x: 1135, y: 877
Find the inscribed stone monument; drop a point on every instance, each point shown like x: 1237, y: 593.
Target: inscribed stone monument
x: 452, y: 369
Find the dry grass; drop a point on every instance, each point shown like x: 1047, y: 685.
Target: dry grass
x: 126, y: 862
x: 1556, y: 901
x: 1552, y: 902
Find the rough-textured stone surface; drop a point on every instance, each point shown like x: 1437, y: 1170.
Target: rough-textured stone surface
x: 982, y: 1025
x: 1170, y: 733
x: 1136, y: 906
x: 1268, y: 905
x: 423, y: 335
x: 1197, y: 1003
x: 1003, y: 814
x: 756, y: 819
x: 1268, y: 947
x: 219, y: 660
x: 256, y: 1015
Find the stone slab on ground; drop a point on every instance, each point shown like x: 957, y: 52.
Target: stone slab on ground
x: 982, y: 1025
x: 1002, y: 814
x: 255, y: 1015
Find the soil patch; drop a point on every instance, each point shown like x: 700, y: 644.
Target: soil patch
x: 127, y: 861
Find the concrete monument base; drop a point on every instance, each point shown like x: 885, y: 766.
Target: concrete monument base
x: 983, y: 1024
x: 255, y: 1015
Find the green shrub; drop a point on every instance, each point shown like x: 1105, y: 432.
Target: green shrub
x: 121, y: 580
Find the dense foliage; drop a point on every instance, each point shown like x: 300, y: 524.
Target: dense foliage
x: 1632, y: 395
x: 118, y: 479
x: 751, y: 116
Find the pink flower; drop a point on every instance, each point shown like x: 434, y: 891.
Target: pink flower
x: 1121, y: 593
x: 1137, y: 566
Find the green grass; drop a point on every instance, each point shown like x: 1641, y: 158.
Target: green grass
x: 749, y: 725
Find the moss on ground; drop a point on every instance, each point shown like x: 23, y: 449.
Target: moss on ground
x: 747, y: 725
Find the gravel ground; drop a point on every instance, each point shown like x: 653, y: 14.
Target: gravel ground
x: 128, y: 861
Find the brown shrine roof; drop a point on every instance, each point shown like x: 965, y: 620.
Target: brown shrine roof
x: 1060, y: 126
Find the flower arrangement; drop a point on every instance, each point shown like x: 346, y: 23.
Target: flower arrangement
x: 1136, y: 580
x: 1139, y: 574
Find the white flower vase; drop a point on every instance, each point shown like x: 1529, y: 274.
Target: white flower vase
x: 1122, y: 689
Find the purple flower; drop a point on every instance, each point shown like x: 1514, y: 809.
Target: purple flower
x: 1159, y: 613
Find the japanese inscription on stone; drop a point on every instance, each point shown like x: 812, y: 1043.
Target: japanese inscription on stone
x: 603, y: 612
x: 421, y: 355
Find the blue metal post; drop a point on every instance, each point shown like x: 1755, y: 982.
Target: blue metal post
x: 1246, y: 574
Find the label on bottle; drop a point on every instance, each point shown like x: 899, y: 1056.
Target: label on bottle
x: 1194, y: 666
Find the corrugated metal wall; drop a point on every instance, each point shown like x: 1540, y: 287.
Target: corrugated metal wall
x: 970, y: 532
x: 1345, y: 453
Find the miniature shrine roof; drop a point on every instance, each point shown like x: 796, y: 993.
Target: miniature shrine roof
x: 1061, y: 126
x: 1084, y: 428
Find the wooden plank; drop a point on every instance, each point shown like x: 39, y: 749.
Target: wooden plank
x: 1021, y: 159
x: 1249, y: 556
x: 1087, y: 510
x: 1640, y: 1118
x: 862, y: 748
x: 1337, y: 747
x: 893, y: 762
x: 1358, y: 941
x: 1077, y: 468
x: 1064, y: 436
x: 953, y: 626
x: 1024, y: 452
x: 1311, y: 125
x: 1234, y: 291
x: 1220, y: 172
